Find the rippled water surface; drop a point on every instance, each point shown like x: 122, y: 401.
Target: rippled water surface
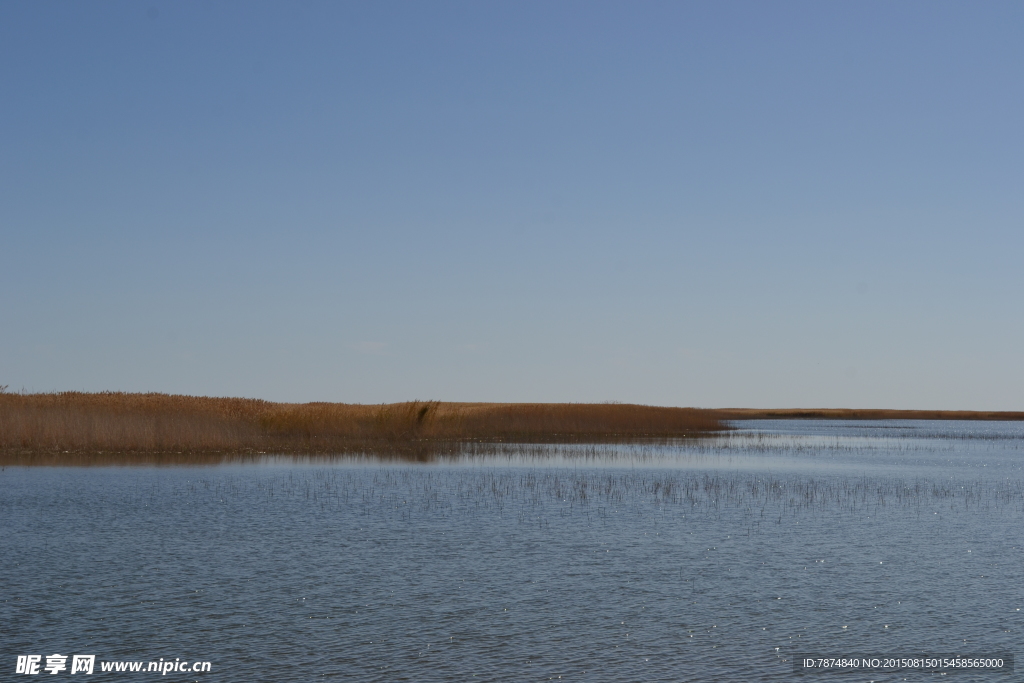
x: 720, y: 560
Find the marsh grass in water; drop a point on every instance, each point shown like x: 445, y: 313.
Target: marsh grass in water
x: 591, y: 493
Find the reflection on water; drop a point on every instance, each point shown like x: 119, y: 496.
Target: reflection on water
x: 711, y: 560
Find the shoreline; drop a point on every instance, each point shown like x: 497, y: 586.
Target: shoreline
x: 866, y: 414
x: 124, y: 428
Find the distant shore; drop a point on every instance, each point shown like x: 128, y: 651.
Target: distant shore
x: 863, y: 414
x: 114, y: 427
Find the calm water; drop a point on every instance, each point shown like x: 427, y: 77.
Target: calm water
x: 713, y: 561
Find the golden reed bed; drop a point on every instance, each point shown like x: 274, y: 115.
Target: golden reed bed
x: 110, y: 427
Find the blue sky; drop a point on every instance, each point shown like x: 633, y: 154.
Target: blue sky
x: 709, y: 204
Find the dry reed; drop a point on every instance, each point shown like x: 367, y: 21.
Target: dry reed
x: 112, y: 426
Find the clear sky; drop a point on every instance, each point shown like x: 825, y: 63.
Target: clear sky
x: 761, y: 204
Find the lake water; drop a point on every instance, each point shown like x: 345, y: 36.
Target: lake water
x: 720, y: 560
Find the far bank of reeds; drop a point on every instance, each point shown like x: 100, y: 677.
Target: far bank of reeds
x: 863, y: 414
x: 111, y: 427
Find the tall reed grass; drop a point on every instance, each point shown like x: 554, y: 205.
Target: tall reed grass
x: 38, y: 428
